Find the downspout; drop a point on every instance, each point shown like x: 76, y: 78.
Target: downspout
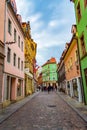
x: 4, y: 39
x: 82, y: 88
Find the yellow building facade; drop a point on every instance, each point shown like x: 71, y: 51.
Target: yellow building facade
x: 30, y: 54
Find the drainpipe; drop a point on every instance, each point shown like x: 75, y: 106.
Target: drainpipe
x: 82, y: 88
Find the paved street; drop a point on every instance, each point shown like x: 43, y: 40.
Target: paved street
x: 44, y: 112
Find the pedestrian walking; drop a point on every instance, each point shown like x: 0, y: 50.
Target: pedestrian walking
x: 56, y: 87
x: 49, y: 88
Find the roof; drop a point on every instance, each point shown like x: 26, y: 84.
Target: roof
x: 50, y: 61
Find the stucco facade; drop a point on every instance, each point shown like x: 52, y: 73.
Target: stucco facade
x: 30, y: 54
x: 81, y: 20
x: 14, y: 57
x: 61, y: 74
x: 49, y: 73
x: 72, y: 70
x: 2, y: 56
x: 2, y: 51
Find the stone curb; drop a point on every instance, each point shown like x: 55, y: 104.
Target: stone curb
x: 83, y: 116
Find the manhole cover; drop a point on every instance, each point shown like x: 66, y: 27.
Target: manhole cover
x: 51, y: 105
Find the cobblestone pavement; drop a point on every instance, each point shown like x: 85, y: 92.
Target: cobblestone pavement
x: 44, y: 112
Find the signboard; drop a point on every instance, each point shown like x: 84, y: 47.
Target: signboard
x: 26, y: 70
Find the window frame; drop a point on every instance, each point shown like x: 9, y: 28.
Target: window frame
x: 14, y: 59
x: 8, y: 55
x: 82, y: 43
x: 21, y: 65
x: 15, y: 35
x: 78, y: 10
x: 22, y: 46
x: 9, y: 26
x: 18, y: 62
x: 18, y: 41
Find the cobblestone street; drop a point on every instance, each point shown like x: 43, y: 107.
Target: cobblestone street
x: 44, y: 112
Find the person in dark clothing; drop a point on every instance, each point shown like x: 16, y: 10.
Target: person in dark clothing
x: 49, y: 88
x: 56, y: 87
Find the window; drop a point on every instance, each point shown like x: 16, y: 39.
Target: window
x: 32, y: 47
x: 9, y: 26
x: 85, y: 3
x: 71, y: 63
x: 68, y: 66
x: 76, y: 55
x: 19, y: 87
x: 15, y: 35
x: 65, y: 68
x: 78, y: 11
x: 14, y: 59
x: 9, y: 55
x: 19, y: 41
x: 83, y: 45
x: 22, y: 65
x: 18, y: 63
x: 21, y: 46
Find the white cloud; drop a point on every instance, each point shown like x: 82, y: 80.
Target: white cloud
x: 34, y: 18
x: 24, y: 8
x: 56, y: 32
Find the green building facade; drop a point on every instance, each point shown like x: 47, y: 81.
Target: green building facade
x: 81, y: 20
x: 49, y: 73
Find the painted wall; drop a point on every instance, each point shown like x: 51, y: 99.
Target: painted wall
x: 70, y: 68
x: 2, y: 11
x: 9, y: 67
x: 82, y: 29
x: 49, y: 73
x: 10, y: 70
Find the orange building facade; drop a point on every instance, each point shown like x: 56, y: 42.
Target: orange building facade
x: 72, y: 70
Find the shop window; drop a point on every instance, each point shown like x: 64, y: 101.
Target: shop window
x: 85, y: 3
x: 83, y: 45
x: 19, y: 87
x: 8, y: 85
x: 78, y: 11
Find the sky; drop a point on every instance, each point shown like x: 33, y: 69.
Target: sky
x: 50, y: 22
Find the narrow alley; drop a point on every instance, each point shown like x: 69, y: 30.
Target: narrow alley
x: 45, y: 111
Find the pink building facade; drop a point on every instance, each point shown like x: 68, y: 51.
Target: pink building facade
x: 2, y: 51
x: 13, y: 79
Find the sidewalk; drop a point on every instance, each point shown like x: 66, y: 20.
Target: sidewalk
x: 8, y: 111
x: 80, y: 108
